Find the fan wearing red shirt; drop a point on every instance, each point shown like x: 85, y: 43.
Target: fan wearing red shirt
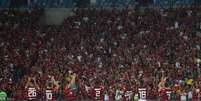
x: 68, y: 93
x: 98, y: 92
x: 32, y: 89
x: 163, y: 94
x: 48, y: 94
x: 111, y: 93
x: 70, y: 88
x: 162, y: 90
x: 195, y: 94
x: 51, y: 89
x: 127, y: 91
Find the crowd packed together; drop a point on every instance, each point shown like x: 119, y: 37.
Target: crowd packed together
x: 109, y: 48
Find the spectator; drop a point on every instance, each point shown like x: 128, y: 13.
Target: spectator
x: 119, y: 49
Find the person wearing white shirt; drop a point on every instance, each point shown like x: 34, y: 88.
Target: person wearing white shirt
x: 118, y: 95
x: 106, y: 97
x: 183, y: 97
x: 176, y: 25
x: 190, y: 95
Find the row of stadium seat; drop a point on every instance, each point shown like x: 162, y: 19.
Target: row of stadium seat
x: 99, y: 3
x: 116, y: 3
x: 51, y: 3
x: 39, y: 3
x: 172, y: 3
x: 133, y: 3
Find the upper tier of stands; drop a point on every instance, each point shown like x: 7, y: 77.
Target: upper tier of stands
x: 96, y: 3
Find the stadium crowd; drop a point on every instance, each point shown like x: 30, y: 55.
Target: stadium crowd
x: 116, y: 50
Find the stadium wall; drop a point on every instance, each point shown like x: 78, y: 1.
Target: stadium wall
x: 55, y: 16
